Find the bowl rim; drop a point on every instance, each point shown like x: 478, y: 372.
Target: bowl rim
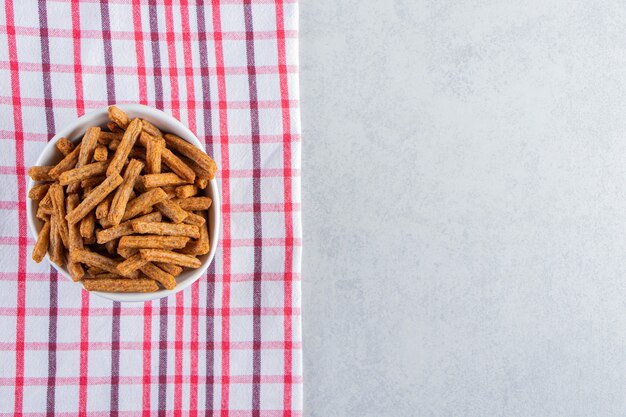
x: 151, y: 114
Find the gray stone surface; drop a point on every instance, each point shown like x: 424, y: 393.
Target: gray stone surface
x: 464, y: 174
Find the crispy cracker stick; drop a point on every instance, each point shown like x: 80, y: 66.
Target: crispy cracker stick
x: 190, y: 248
x: 118, y: 116
x: 43, y: 214
x: 55, y: 248
x: 40, y: 173
x: 66, y: 163
x: 64, y: 146
x: 131, y: 264
x: 126, y: 252
x: 184, y: 191
x: 114, y: 128
x: 94, y: 197
x: 154, y: 147
x: 87, y: 225
x: 58, y: 206
x: 159, y: 255
x: 123, y: 149
x: 94, y: 270
x: 91, y: 182
x: 94, y: 259
x: 45, y: 206
x: 194, y: 219
x: 120, y: 200
x: 139, y: 188
x: 75, y: 239
x: 101, y: 153
x: 102, y: 209
x: 170, y: 190
x: 105, y: 275
x: 167, y: 280
x: 88, y: 145
x: 144, y: 202
x: 137, y: 153
x: 172, y: 210
x: 153, y: 242
x: 76, y: 270
x: 43, y: 240
x: 114, y: 144
x: 125, y: 228
x: 150, y: 129
x: 201, y: 246
x: 194, y: 203
x: 38, y: 191
x: 170, y: 161
x: 200, y: 171
x: 111, y: 246
x: 167, y: 229
x: 76, y: 242
x: 106, y: 235
x: 144, y: 138
x: 105, y: 138
x: 120, y: 285
x: 160, y: 180
x: 171, y: 269
x: 201, y: 183
x: 177, y: 165
x: 46, y: 202
x: 78, y: 174
x: 202, y: 159
x: 204, y: 243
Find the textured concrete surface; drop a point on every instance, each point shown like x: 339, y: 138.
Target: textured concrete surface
x: 464, y: 176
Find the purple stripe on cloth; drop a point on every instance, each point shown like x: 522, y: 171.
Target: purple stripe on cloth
x: 115, y: 359
x: 210, y: 334
x: 208, y: 141
x: 162, y: 404
x: 52, y: 343
x: 108, y: 51
x: 206, y: 85
x: 115, y: 319
x: 158, y: 95
x: 45, y: 66
x: 54, y: 282
x: 256, y: 195
x: 156, y: 54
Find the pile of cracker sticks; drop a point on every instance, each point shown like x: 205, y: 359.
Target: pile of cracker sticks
x: 125, y: 208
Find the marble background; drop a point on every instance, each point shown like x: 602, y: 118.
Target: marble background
x: 464, y: 197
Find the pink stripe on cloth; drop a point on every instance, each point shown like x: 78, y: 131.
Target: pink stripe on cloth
x: 26, y: 66
x: 42, y: 137
x: 68, y: 311
x: 20, y: 266
x: 231, y: 413
x: 130, y: 35
x: 230, y: 344
x: 68, y: 104
x: 267, y: 276
x: 66, y: 346
x: 133, y: 380
x: 257, y: 216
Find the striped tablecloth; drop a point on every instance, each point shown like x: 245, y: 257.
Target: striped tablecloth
x: 230, y: 344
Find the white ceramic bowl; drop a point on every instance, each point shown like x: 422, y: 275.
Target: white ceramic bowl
x: 165, y: 122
